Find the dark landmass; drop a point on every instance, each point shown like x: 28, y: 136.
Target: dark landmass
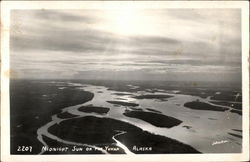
x: 152, y: 97
x: 236, y: 111
x: 226, y: 93
x: 32, y: 103
x: 227, y: 96
x: 231, y: 139
x: 90, y: 130
x: 155, y: 119
x: 90, y: 109
x: 136, y: 109
x: 233, y: 105
x: 238, y: 143
x: 197, y: 105
x: 212, y: 119
x: 25, y: 136
x: 120, y: 86
x: 155, y: 90
x: 186, y: 126
x: 162, y: 99
x: 187, y: 87
x: 151, y: 90
x: 153, y: 110
x: 97, y: 131
x: 123, y: 103
x: 237, y: 130
x: 235, y: 135
x: 81, y: 149
x: 196, y: 91
x: 56, y: 144
x: 159, y: 144
x: 40, y: 99
x: 66, y: 115
x: 202, y: 89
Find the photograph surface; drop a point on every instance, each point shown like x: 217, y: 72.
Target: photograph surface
x: 125, y: 80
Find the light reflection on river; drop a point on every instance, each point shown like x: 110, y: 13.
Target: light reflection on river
x: 199, y: 129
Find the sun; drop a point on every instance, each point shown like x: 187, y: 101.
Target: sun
x: 126, y: 21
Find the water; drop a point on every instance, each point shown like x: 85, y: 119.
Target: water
x: 200, y: 129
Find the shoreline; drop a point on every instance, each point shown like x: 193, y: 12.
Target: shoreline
x: 107, y: 108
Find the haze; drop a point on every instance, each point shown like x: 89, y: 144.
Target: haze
x: 127, y: 44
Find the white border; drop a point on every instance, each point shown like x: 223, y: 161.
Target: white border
x: 6, y: 6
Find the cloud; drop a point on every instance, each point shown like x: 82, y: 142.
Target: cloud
x: 65, y: 16
x: 172, y: 41
x: 61, y: 39
x: 55, y: 15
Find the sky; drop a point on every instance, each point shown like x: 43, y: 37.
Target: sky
x: 127, y: 44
